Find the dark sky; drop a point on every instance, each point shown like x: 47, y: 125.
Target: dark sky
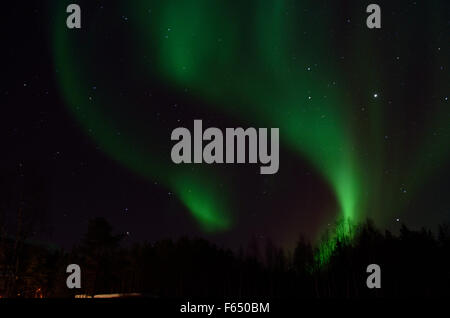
x: 401, y: 152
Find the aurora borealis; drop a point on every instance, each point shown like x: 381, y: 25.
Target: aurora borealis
x: 363, y: 114
x: 275, y: 88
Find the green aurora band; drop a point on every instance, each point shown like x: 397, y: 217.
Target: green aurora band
x: 199, y: 44
x: 201, y: 196
x: 268, y: 63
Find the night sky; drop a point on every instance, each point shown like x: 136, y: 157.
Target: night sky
x: 364, y: 115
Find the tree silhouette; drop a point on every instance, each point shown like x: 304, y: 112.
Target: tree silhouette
x: 414, y: 263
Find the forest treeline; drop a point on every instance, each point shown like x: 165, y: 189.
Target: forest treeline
x: 413, y: 264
